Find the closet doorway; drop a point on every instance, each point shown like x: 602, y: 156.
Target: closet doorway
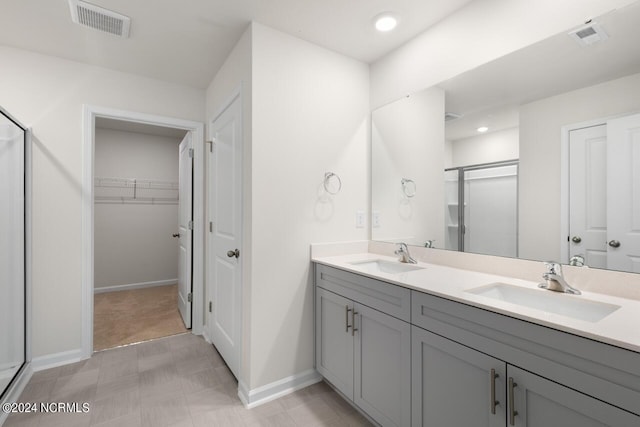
x: 142, y: 236
x: 142, y: 189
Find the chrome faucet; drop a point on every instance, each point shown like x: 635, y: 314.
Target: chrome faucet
x: 577, y: 261
x: 403, y: 252
x: 554, y: 281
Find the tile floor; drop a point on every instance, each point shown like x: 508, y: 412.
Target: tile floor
x: 126, y: 317
x: 179, y: 381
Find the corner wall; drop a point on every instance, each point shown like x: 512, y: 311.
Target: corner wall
x: 310, y: 116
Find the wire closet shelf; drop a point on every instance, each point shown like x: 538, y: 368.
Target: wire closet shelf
x: 109, y: 190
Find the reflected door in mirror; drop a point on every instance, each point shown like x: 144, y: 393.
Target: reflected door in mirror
x: 604, y: 194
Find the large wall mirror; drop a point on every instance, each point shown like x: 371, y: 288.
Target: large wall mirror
x: 13, y: 353
x: 535, y: 155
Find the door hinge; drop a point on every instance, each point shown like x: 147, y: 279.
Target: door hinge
x: 210, y: 227
x: 210, y: 306
x: 189, y: 297
x: 191, y: 152
x: 190, y: 225
x: 211, y: 145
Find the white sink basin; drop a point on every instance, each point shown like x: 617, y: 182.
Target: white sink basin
x: 573, y: 306
x: 384, y: 266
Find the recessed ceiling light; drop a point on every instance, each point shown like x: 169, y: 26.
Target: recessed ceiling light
x: 482, y: 129
x: 385, y: 22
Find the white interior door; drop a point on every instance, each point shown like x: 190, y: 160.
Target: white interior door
x: 225, y: 216
x: 185, y: 227
x: 588, y: 195
x: 623, y: 190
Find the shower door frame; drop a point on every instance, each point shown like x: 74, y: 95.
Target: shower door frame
x: 461, y: 193
x: 21, y: 378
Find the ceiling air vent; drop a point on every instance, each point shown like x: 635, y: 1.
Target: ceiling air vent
x: 99, y: 18
x: 451, y: 116
x: 589, y: 34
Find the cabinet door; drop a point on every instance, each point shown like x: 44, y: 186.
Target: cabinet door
x: 452, y: 384
x: 538, y: 402
x: 382, y: 366
x: 334, y: 342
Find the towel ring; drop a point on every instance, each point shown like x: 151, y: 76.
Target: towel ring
x: 330, y: 177
x: 408, y: 187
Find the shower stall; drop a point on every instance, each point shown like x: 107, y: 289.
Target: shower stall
x: 14, y: 231
x: 481, y: 208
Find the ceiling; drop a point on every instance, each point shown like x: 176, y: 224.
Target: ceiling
x: 490, y: 94
x: 187, y: 41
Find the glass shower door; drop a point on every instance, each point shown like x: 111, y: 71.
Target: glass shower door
x: 12, y: 250
x: 481, y: 209
x: 491, y: 211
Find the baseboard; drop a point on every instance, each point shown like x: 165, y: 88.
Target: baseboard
x: 266, y: 393
x: 56, y: 359
x: 127, y: 287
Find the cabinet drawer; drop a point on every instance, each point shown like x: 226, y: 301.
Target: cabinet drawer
x: 391, y: 299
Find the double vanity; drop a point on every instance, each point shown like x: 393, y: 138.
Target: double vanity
x: 430, y: 345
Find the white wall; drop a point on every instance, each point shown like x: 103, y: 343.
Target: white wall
x: 476, y: 34
x: 406, y: 142
x: 540, y: 134
x: 486, y: 148
x: 236, y: 73
x: 310, y: 116
x: 48, y: 93
x: 132, y: 241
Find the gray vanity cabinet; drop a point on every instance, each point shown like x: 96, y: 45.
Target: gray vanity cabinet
x: 364, y: 352
x: 334, y: 343
x: 452, y: 384
x: 538, y: 402
x: 382, y: 367
x: 455, y: 347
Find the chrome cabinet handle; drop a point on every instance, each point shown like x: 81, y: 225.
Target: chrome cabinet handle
x: 353, y: 322
x: 346, y: 320
x: 494, y: 402
x: 576, y: 239
x: 512, y: 404
x: 614, y: 243
x: 235, y: 253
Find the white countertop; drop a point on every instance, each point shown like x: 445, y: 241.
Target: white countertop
x: 620, y: 328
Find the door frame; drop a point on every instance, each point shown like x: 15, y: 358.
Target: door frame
x: 89, y: 115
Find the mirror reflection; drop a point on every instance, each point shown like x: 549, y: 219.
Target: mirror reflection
x: 12, y: 251
x: 537, y: 156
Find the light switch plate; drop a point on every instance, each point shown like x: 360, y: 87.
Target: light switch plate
x: 375, y: 219
x: 359, y: 219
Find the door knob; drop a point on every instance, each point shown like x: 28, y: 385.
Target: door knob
x: 176, y: 235
x: 614, y: 243
x: 235, y: 253
x: 576, y: 239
